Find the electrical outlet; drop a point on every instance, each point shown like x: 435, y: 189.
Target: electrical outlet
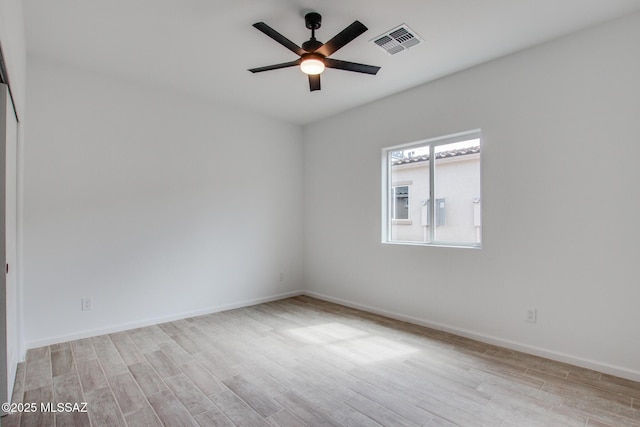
x: 87, y: 304
x: 532, y: 315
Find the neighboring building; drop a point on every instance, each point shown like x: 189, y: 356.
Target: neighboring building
x: 457, y: 208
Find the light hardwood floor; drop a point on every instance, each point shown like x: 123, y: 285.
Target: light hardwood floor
x: 302, y: 361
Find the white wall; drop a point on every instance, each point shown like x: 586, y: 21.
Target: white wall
x: 155, y: 205
x: 561, y: 206
x: 13, y: 42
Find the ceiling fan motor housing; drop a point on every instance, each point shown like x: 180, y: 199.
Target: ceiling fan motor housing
x: 311, y: 45
x: 313, y: 20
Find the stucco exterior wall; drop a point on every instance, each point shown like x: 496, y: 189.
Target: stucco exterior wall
x: 457, y: 186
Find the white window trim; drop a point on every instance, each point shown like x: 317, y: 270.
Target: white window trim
x: 387, y: 184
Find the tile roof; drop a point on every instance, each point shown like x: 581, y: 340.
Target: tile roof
x: 441, y: 155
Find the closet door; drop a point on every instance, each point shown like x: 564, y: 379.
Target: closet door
x: 8, y: 252
x: 4, y: 302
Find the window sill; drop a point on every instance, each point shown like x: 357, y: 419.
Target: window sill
x: 401, y: 222
x: 437, y: 245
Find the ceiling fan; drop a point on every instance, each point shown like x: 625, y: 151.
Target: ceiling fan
x: 314, y: 55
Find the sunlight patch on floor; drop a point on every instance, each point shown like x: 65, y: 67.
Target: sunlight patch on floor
x: 325, y: 333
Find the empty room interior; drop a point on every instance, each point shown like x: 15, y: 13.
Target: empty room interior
x: 303, y: 213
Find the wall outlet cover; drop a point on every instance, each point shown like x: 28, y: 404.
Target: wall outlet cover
x: 531, y: 315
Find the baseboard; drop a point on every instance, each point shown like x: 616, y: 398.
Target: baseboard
x: 606, y: 368
x: 513, y: 345
x: 154, y: 321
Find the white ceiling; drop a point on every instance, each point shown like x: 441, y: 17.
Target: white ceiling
x: 204, y: 47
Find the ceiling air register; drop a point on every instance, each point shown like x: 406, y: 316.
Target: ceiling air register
x: 398, y: 39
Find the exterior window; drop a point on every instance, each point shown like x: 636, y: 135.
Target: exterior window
x: 446, y: 173
x: 400, y: 202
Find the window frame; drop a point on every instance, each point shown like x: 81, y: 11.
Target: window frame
x: 387, y: 187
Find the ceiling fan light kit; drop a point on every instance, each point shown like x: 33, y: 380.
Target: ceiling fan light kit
x: 312, y: 64
x: 314, y: 55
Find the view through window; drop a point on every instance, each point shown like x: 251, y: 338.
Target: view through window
x: 437, y: 178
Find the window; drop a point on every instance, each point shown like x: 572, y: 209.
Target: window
x: 437, y: 178
x: 400, y: 202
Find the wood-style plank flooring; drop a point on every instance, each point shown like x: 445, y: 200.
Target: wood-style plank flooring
x: 304, y: 362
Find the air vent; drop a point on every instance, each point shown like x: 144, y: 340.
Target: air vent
x: 398, y: 39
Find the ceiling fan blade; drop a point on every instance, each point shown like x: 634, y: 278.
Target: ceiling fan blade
x: 350, y: 66
x: 342, y: 38
x: 314, y: 82
x: 279, y: 38
x: 276, y: 66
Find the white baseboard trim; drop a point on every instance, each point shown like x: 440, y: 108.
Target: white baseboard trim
x: 513, y: 345
x: 156, y: 320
